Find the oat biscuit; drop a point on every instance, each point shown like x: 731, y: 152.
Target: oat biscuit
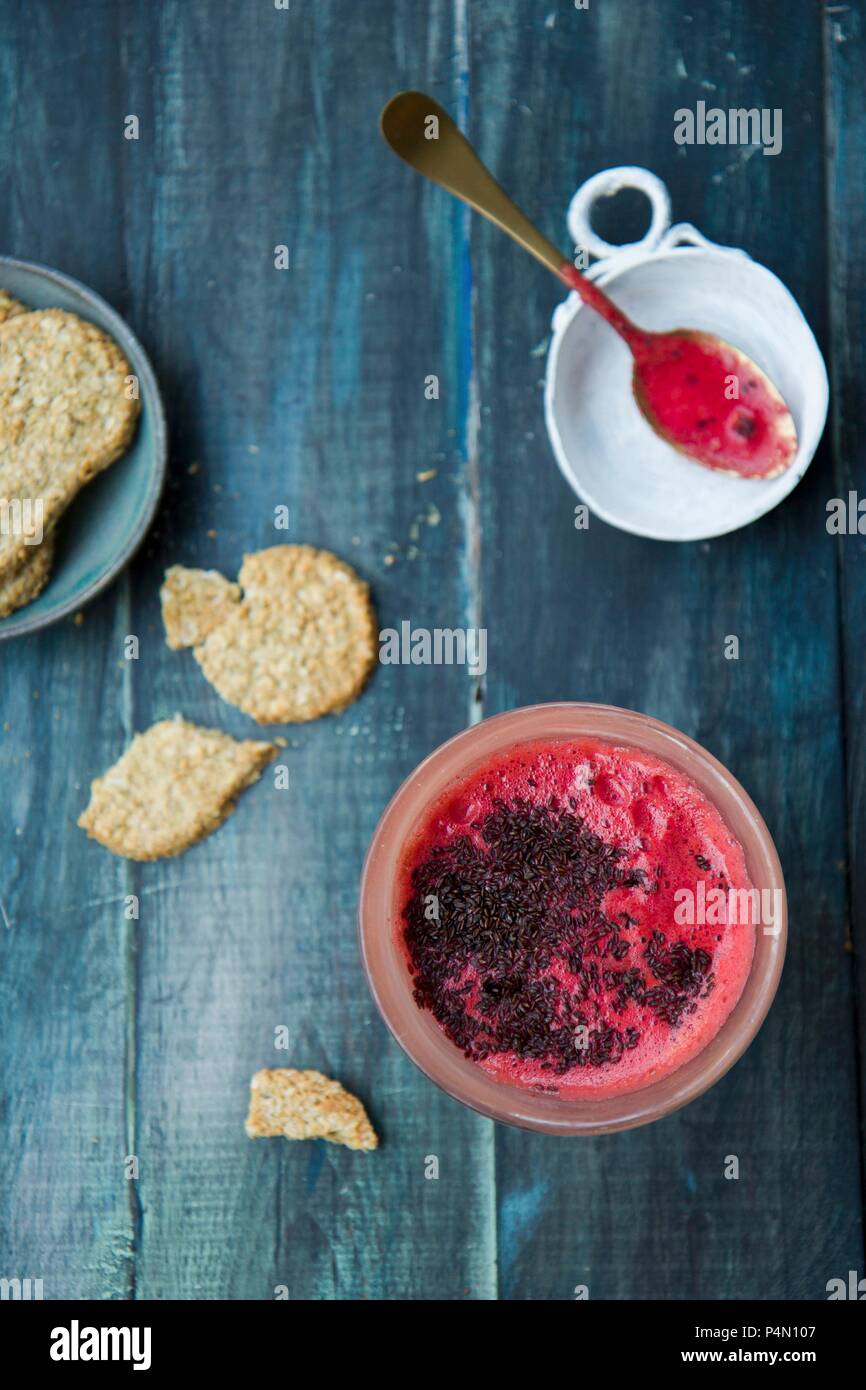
x: 9, y: 307
x: 193, y: 603
x: 307, y: 1105
x: 302, y: 641
x: 64, y: 414
x: 174, y: 785
x: 27, y: 582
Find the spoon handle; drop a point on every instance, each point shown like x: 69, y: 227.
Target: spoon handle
x: 419, y: 131
x: 424, y: 135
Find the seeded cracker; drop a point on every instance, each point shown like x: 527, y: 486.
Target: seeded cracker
x: 28, y: 581
x: 9, y: 307
x: 302, y: 641
x: 64, y: 414
x: 307, y: 1105
x: 174, y: 785
x: 193, y: 603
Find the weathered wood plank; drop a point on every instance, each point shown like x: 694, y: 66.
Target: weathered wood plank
x: 600, y: 615
x: 303, y: 388
x: 66, y: 1209
x: 845, y: 65
x: 306, y: 388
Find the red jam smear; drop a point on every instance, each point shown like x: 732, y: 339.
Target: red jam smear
x: 700, y: 394
x: 711, y: 402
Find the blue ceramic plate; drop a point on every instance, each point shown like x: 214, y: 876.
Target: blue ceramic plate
x: 107, y: 522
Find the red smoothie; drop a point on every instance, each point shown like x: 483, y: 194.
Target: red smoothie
x: 545, y: 917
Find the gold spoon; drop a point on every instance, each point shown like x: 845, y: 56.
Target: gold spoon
x: 704, y: 396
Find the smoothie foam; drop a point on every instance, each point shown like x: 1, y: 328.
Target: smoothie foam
x: 543, y: 911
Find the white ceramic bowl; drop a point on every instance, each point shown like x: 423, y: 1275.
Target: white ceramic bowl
x: 672, y: 278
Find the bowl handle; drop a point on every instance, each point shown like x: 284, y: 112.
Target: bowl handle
x: 683, y: 233
x: 604, y: 185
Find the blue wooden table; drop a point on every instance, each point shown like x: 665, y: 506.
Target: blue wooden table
x: 305, y: 387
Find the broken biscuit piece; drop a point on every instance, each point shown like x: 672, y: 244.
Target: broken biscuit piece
x: 175, y: 784
x: 194, y: 602
x: 307, y: 1105
x: 302, y: 641
x: 28, y: 581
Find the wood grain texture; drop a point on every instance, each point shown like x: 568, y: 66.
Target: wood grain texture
x: 845, y: 65
x: 638, y: 624
x: 66, y: 1210
x: 305, y: 388
x: 299, y: 388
